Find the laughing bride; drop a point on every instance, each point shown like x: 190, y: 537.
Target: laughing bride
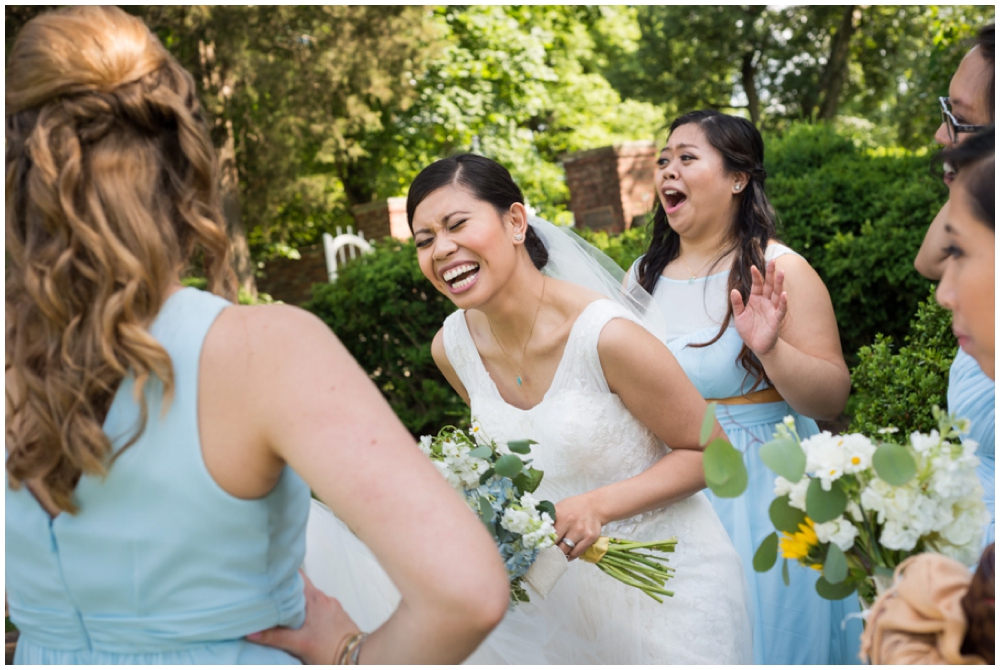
x: 546, y: 346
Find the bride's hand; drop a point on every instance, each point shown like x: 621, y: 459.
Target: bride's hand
x: 321, y: 637
x: 759, y: 321
x: 578, y: 525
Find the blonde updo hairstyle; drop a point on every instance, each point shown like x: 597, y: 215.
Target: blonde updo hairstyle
x: 111, y: 185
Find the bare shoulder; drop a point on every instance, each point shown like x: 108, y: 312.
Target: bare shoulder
x: 263, y: 327
x: 622, y: 339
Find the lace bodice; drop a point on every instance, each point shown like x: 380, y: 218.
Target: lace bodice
x: 587, y: 438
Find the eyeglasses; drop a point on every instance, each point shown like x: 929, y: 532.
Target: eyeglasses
x: 949, y: 120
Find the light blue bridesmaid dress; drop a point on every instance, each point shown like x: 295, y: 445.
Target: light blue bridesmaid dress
x: 972, y: 395
x: 160, y: 565
x: 792, y: 624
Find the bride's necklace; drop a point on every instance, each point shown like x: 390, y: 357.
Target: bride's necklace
x: 531, y: 332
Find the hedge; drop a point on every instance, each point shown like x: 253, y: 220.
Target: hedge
x: 386, y: 313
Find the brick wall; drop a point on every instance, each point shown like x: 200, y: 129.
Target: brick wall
x: 611, y: 186
x: 290, y: 280
x: 380, y: 219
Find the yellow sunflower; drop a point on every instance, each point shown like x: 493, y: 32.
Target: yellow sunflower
x: 798, y: 546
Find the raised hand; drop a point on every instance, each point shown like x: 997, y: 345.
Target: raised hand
x: 759, y: 321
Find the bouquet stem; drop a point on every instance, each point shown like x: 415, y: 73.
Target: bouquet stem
x: 637, y: 564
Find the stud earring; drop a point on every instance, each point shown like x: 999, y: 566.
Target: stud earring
x: 518, y: 237
x: 737, y: 187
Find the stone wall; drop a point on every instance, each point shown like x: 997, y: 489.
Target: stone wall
x: 611, y: 188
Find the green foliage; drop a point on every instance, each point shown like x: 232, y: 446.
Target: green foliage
x: 386, y: 313
x: 858, y: 216
x: 899, y: 388
x: 243, y: 298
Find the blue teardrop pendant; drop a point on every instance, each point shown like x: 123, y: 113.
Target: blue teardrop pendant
x: 519, y: 380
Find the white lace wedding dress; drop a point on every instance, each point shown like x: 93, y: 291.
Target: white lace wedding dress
x: 586, y: 439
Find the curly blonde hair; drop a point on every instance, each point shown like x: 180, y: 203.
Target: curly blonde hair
x: 111, y: 186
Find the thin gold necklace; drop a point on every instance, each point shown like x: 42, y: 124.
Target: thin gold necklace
x: 693, y: 274
x: 530, y: 333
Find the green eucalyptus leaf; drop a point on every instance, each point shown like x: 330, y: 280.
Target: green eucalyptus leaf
x: 767, y: 554
x: 894, y: 464
x: 784, y: 572
x: 485, y: 477
x: 486, y: 512
x: 823, y: 506
x: 725, y: 473
x: 784, y: 457
x: 835, y: 566
x: 707, y: 424
x: 521, y: 446
x: 835, y: 591
x: 785, y: 517
x: 482, y: 452
x: 528, y: 480
x: 508, y: 465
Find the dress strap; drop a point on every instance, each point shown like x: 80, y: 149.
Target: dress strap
x: 582, y: 370
x: 461, y: 351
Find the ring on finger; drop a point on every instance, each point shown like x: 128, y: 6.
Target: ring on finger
x: 568, y: 542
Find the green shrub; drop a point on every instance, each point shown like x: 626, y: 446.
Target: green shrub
x: 386, y: 313
x: 244, y: 296
x: 858, y: 216
x: 899, y: 388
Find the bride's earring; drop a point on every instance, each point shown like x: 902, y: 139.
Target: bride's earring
x: 518, y: 237
x: 737, y: 188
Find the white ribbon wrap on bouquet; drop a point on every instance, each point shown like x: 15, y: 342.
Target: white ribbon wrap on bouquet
x: 549, y: 566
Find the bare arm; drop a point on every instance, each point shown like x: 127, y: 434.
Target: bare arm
x: 316, y: 410
x: 789, y: 323
x: 653, y: 387
x: 931, y: 257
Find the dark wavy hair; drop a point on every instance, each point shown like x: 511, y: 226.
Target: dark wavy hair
x: 980, y: 610
x: 754, y: 225
x: 485, y: 179
x: 975, y: 161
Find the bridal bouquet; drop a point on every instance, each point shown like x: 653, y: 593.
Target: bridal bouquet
x: 497, y: 482
x: 854, y: 508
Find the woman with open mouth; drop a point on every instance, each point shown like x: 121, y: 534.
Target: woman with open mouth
x: 753, y: 327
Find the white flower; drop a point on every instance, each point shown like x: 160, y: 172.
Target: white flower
x: 839, y: 531
x: 825, y: 457
x: 962, y: 425
x: 796, y: 492
x: 858, y: 451
x: 789, y: 421
x: 924, y: 443
x: 897, y: 536
x: 425, y: 444
x: 889, y: 430
x: 854, y: 510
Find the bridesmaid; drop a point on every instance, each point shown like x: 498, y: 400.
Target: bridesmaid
x: 713, y: 254
x: 971, y: 394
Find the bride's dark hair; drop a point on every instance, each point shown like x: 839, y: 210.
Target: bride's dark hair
x: 486, y: 180
x: 754, y: 225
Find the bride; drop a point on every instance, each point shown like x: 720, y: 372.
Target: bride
x: 537, y: 357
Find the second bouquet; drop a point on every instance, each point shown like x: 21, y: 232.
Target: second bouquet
x: 498, y: 483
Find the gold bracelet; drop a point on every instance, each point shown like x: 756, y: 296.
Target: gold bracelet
x: 356, y: 652
x: 352, y: 642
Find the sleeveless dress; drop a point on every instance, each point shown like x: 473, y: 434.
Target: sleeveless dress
x: 587, y: 439
x: 160, y: 565
x: 972, y: 395
x: 792, y: 624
